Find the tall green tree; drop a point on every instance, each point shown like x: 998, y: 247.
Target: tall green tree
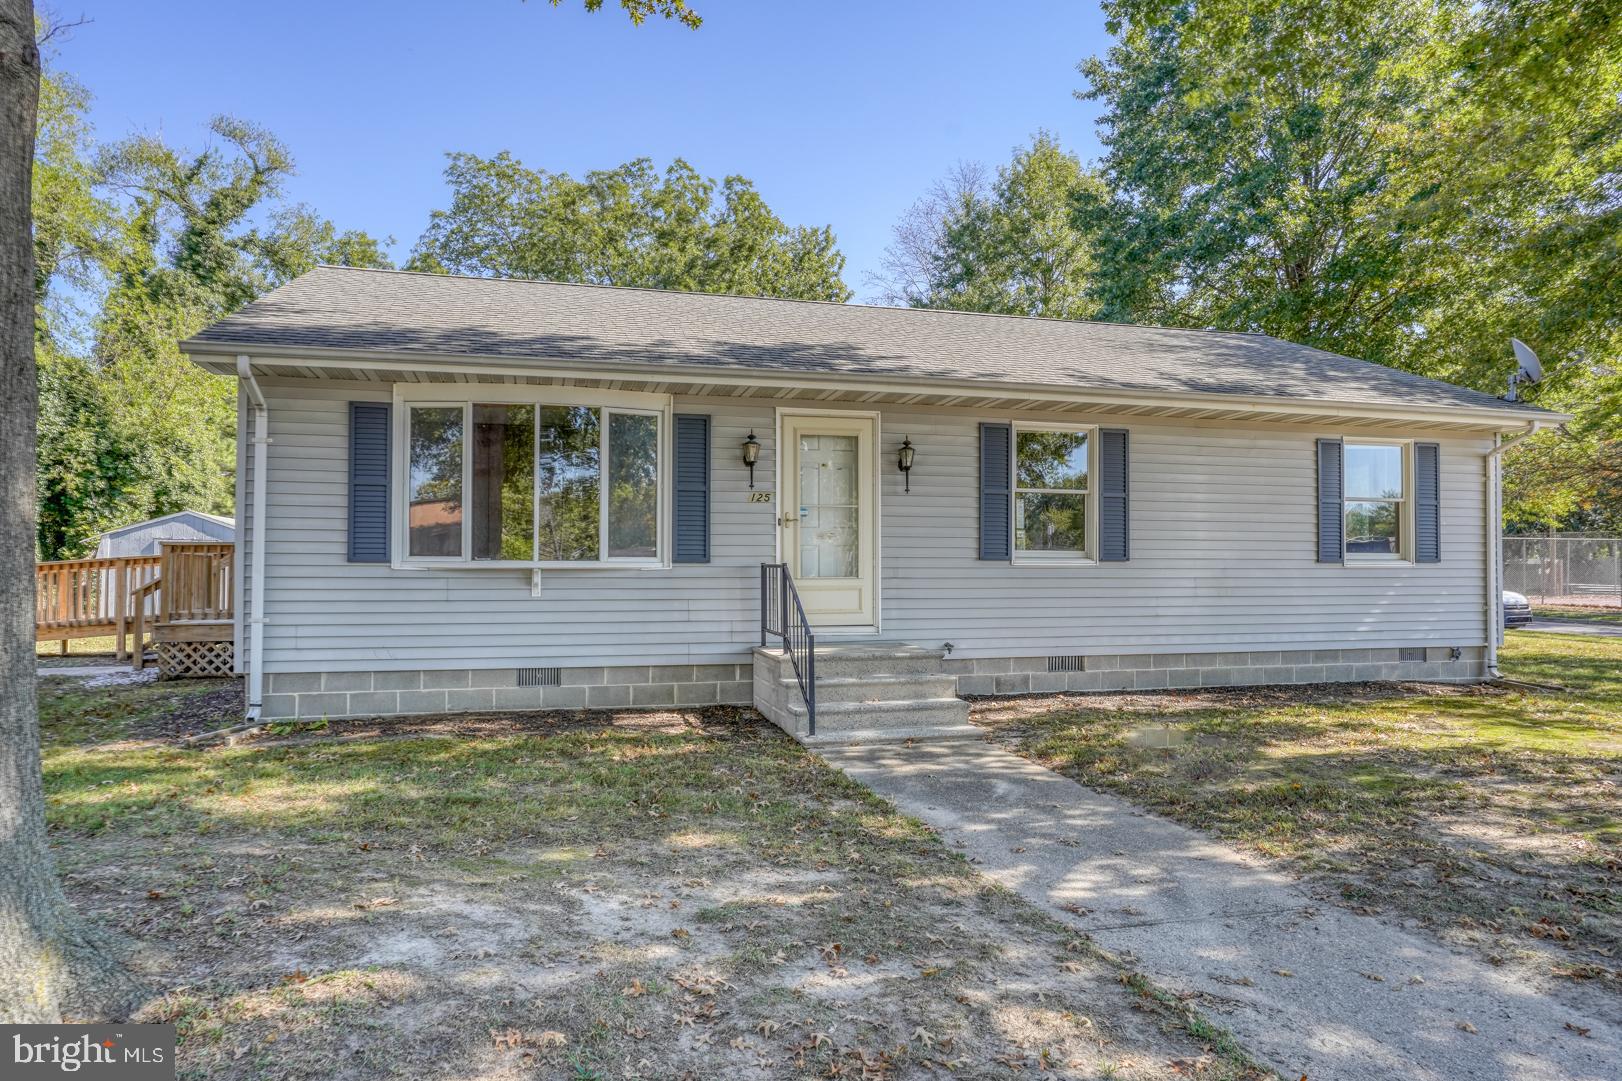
x: 630, y: 225
x: 1254, y: 153
x: 74, y: 221
x: 1411, y: 183
x: 1010, y: 245
x: 174, y: 239
x: 76, y: 232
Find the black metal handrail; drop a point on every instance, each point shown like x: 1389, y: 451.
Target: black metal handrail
x: 782, y: 616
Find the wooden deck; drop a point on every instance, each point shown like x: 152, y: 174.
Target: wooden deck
x: 180, y: 601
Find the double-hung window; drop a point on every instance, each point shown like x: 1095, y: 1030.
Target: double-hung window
x: 1376, y: 501
x: 532, y: 482
x: 1052, y: 486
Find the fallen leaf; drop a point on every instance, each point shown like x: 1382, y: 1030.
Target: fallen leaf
x: 1465, y: 1026
x: 1578, y: 1029
x: 377, y: 902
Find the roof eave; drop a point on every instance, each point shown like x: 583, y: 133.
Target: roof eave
x: 1507, y: 418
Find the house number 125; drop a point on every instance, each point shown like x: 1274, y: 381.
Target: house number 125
x: 760, y: 497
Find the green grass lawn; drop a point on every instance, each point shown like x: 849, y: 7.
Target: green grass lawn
x: 1491, y: 815
x: 1560, y: 611
x: 563, y: 895
x: 80, y: 650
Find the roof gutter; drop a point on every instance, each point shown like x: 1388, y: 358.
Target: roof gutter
x: 475, y: 364
x: 1493, y: 475
x: 256, y: 565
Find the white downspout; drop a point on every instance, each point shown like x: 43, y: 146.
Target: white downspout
x: 1493, y: 468
x: 256, y: 565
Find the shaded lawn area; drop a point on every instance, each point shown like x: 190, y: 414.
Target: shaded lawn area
x: 1489, y: 815
x: 685, y: 894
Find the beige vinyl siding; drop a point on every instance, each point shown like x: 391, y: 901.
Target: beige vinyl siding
x: 1222, y: 556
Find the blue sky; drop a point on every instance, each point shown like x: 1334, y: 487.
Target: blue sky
x: 842, y: 113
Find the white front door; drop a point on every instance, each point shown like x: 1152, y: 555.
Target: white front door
x: 827, y: 518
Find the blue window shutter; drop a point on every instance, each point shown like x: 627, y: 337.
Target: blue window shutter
x: 692, y: 474
x: 1114, y: 504
x: 369, y: 482
x: 996, y: 482
x: 1331, y: 505
x: 1427, y: 503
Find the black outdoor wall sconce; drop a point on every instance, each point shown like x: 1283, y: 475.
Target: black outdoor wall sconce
x: 751, y: 455
x: 904, y: 461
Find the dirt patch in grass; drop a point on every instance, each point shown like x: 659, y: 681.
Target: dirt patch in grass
x: 619, y: 895
x: 1488, y: 815
x: 73, y: 713
x: 719, y: 722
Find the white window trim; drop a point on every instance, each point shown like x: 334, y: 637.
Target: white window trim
x: 467, y: 395
x: 1088, y: 558
x: 1404, y: 555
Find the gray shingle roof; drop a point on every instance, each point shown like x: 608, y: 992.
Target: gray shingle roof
x: 333, y: 308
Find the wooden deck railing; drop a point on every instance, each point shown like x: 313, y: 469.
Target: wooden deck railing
x: 89, y: 598
x: 196, y: 579
x: 188, y: 587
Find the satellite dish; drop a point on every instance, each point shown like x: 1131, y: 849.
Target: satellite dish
x: 1528, y: 368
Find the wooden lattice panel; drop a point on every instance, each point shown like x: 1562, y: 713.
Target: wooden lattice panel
x: 181, y: 660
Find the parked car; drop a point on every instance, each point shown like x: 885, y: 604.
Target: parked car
x: 1517, y: 609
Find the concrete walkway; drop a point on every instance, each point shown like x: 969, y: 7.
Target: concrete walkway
x: 83, y: 670
x: 101, y: 675
x: 1310, y: 988
x: 1595, y: 627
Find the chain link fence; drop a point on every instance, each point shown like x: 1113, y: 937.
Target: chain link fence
x: 1563, y: 569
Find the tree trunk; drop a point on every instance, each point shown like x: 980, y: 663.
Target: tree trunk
x: 52, y: 964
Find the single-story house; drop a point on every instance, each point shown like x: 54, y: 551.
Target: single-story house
x: 145, y: 538
x: 470, y: 494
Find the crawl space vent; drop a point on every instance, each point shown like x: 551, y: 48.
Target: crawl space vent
x: 540, y: 677
x: 1065, y: 664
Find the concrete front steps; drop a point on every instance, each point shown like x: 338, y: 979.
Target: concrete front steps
x: 875, y: 692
